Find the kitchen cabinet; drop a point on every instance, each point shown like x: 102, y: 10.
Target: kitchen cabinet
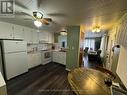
x: 28, y: 34
x: 35, y: 38
x: 46, y: 37
x: 55, y: 57
x: 43, y: 36
x: 50, y: 37
x: 59, y: 57
x: 13, y: 31
x: 34, y: 59
x: 63, y: 58
x: 18, y: 32
x: 6, y: 30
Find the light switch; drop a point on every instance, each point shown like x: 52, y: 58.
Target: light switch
x: 72, y: 47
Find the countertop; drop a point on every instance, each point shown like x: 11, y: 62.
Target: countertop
x: 39, y: 51
x: 33, y: 52
x: 59, y: 51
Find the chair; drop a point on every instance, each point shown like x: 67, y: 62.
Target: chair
x: 110, y: 74
x: 86, y: 51
x: 98, y: 56
x: 119, y: 91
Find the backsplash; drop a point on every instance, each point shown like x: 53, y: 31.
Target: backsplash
x: 38, y: 47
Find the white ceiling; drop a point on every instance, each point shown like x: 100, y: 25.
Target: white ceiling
x: 73, y: 12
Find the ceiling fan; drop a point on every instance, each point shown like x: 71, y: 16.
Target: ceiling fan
x: 36, y: 16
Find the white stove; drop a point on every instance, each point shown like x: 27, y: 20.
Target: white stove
x: 46, y: 56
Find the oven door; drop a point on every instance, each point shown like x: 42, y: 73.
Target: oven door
x: 47, y: 55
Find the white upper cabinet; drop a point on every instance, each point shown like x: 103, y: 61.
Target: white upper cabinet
x: 35, y: 36
x: 13, y: 31
x: 18, y: 32
x: 46, y: 37
x: 28, y: 35
x: 43, y: 36
x: 6, y: 30
x: 51, y: 37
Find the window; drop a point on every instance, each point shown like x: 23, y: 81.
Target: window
x: 90, y: 43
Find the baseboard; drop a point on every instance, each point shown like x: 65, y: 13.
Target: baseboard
x: 46, y: 62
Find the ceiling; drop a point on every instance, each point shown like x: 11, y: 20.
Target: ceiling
x: 72, y: 12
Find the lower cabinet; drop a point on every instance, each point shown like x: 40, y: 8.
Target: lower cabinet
x: 59, y: 57
x: 34, y: 59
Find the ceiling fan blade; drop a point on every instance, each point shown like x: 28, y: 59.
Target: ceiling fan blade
x: 28, y: 19
x: 57, y: 14
x: 44, y: 21
x: 48, y: 19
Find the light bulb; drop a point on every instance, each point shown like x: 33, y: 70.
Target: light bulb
x: 93, y: 30
x: 98, y: 30
x: 37, y: 23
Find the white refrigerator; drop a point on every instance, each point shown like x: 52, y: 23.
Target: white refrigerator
x: 15, y: 58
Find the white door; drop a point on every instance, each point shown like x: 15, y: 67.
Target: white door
x: 15, y: 64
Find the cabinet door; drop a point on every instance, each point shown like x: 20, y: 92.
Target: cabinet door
x: 30, y: 61
x: 35, y: 36
x: 38, y: 58
x: 34, y: 59
x: 63, y: 58
x: 6, y: 30
x: 18, y: 32
x: 28, y: 35
x: 50, y: 37
x: 55, y: 57
x: 43, y: 36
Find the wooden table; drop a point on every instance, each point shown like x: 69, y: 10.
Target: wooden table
x: 86, y: 81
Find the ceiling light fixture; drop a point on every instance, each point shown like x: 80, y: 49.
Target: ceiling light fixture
x: 37, y: 23
x: 64, y: 33
x: 38, y: 15
x: 96, y: 29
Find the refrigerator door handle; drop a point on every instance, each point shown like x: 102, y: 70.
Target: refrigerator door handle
x: 16, y: 52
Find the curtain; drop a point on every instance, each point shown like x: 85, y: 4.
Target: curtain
x: 90, y: 43
x: 103, y: 46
